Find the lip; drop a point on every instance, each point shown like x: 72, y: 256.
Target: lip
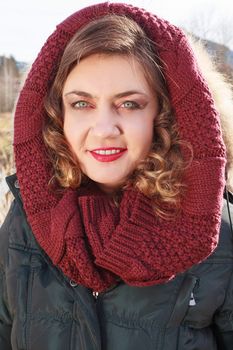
x: 108, y: 157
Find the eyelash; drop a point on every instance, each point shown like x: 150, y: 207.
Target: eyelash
x: 134, y: 105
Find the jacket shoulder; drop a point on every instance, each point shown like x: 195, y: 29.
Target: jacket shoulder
x: 224, y: 249
x: 4, y: 234
x: 15, y: 231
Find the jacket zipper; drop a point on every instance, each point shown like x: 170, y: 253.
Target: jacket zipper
x: 96, y: 294
x: 185, y: 299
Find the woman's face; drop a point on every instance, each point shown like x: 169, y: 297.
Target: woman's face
x: 109, y: 111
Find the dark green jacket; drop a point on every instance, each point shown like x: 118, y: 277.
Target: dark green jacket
x: 40, y: 309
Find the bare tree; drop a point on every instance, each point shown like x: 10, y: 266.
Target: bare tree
x: 225, y: 31
x: 209, y: 24
x: 216, y: 31
x: 9, y: 83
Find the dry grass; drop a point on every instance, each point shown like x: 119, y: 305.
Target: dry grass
x: 6, y: 161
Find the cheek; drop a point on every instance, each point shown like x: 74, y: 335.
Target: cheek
x: 146, y: 141
x: 140, y: 134
x: 74, y: 131
x: 69, y: 133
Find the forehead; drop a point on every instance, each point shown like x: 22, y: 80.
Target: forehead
x: 99, y: 72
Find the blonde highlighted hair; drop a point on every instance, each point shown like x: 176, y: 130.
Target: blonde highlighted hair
x: 159, y: 176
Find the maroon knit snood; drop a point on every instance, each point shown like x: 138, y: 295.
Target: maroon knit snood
x: 85, y: 235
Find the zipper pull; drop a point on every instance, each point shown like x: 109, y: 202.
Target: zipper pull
x: 192, y: 301
x: 95, y: 294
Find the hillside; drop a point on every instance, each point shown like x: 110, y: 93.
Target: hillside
x: 223, y: 57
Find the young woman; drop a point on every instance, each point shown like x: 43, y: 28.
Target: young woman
x: 112, y: 241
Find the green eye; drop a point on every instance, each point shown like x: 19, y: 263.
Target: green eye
x: 80, y: 104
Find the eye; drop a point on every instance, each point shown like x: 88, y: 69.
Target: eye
x: 130, y: 105
x: 81, y: 104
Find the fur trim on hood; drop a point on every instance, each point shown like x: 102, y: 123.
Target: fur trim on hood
x: 222, y: 92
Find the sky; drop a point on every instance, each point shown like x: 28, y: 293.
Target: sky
x: 25, y: 25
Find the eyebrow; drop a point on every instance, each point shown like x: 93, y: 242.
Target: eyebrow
x: 121, y: 94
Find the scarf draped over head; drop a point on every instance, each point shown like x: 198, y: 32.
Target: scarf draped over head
x: 85, y: 235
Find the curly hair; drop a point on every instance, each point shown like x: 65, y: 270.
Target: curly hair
x: 159, y: 176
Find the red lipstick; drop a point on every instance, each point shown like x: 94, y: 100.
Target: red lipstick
x: 108, y: 154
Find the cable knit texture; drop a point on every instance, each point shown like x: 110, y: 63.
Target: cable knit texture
x: 83, y: 233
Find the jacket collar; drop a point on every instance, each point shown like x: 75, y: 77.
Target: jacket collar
x: 13, y: 185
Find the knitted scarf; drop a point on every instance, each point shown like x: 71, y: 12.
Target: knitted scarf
x: 92, y: 241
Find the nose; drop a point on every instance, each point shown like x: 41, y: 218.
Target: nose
x: 105, y: 124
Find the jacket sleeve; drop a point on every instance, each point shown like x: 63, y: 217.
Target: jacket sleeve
x: 5, y: 318
x: 224, y: 321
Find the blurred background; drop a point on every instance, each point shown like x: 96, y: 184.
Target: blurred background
x: 25, y: 26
